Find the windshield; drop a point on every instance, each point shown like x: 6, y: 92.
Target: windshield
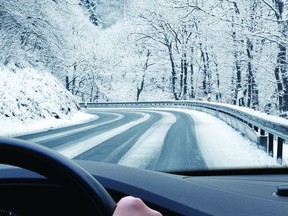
x: 160, y: 85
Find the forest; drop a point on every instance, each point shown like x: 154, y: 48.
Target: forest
x: 229, y: 51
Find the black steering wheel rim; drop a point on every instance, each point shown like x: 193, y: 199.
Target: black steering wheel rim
x: 56, y: 167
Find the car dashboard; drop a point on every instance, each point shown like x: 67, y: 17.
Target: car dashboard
x: 246, y: 192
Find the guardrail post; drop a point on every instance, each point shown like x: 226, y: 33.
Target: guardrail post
x: 271, y: 145
x: 279, y: 150
x: 262, y: 140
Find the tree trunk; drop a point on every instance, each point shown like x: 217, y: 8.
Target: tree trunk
x: 174, y: 75
x: 209, y: 74
x: 91, y: 94
x: 185, y: 87
x: 139, y: 90
x: 145, y: 67
x: 192, y: 90
x: 183, y: 76
x: 67, y: 82
x: 204, y: 81
x: 280, y: 71
x: 277, y: 72
x: 252, y: 89
x: 283, y: 91
x: 236, y: 84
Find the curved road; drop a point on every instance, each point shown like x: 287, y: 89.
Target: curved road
x: 161, y: 140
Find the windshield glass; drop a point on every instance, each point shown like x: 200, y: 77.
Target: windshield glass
x: 161, y: 85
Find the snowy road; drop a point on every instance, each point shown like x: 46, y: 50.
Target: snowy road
x: 158, y: 139
x: 151, y: 139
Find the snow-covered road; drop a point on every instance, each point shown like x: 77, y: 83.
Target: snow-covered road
x: 138, y: 140
x: 81, y: 147
x: 150, y: 143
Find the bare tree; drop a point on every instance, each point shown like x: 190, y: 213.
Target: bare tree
x: 279, y: 9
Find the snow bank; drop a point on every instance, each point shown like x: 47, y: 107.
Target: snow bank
x: 14, y: 128
x: 28, y: 96
x: 256, y: 113
x: 224, y: 147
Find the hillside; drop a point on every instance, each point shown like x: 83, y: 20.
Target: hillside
x: 37, y: 40
x: 28, y: 95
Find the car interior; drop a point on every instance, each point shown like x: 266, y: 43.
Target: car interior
x: 43, y: 182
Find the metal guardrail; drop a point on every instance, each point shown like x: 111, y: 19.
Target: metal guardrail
x: 264, y: 131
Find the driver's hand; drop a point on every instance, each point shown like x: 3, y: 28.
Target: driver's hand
x: 131, y: 206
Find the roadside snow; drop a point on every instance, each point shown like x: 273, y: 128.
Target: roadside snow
x: 28, y: 96
x: 76, y: 130
x: 15, y: 128
x: 262, y: 115
x: 224, y: 147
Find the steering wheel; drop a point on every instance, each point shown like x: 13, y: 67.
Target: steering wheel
x: 57, y: 167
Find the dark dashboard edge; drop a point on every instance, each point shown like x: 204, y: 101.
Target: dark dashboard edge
x: 231, y: 172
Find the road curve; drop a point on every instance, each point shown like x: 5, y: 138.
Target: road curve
x: 161, y: 140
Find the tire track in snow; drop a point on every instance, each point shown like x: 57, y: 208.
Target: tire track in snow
x: 79, y: 148
x: 77, y: 130
x: 150, y: 143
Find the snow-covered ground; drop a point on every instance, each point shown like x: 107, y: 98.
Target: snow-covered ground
x: 14, y: 128
x: 29, y: 96
x: 224, y: 147
x: 259, y: 114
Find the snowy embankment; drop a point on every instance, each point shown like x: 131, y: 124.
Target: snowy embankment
x: 33, y: 101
